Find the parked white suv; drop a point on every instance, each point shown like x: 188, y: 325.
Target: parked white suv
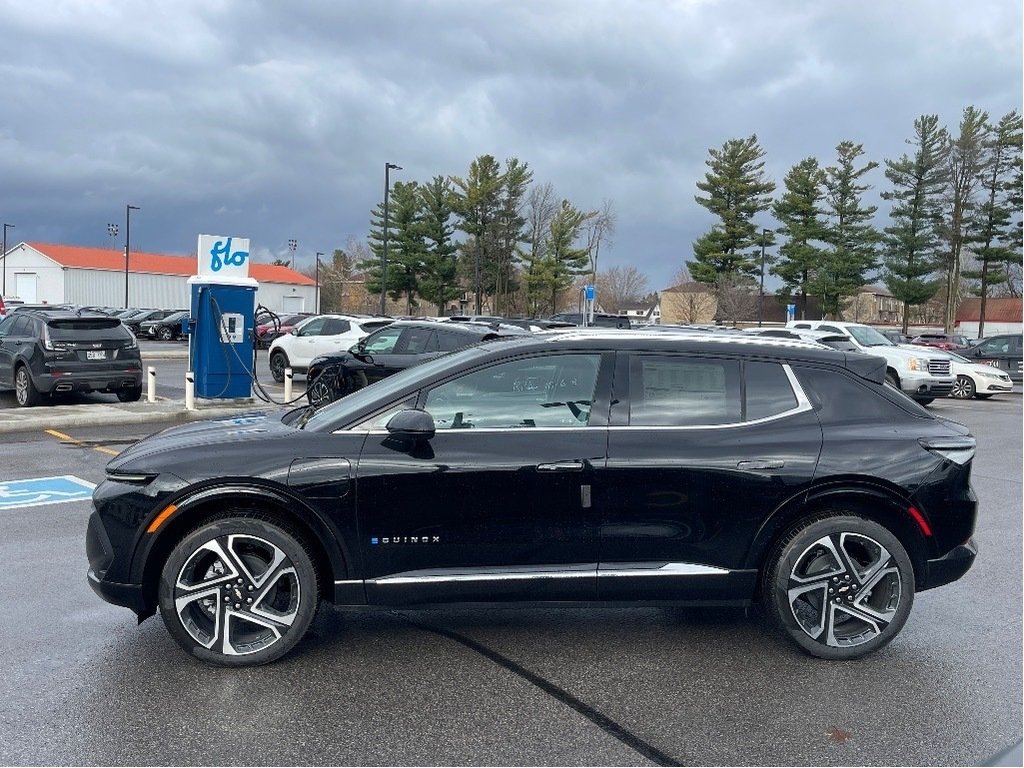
x: 921, y: 374
x: 319, y: 335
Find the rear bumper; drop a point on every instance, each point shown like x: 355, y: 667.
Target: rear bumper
x: 91, y: 381
x: 951, y: 566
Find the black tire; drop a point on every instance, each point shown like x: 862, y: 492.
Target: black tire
x: 963, y: 388
x: 855, y: 563
x: 982, y: 397
x: 322, y: 391
x: 278, y: 362
x: 129, y: 395
x: 225, y: 603
x: 925, y: 400
x: 25, y: 391
x: 165, y: 334
x: 891, y: 378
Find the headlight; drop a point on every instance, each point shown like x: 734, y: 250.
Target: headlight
x: 919, y: 364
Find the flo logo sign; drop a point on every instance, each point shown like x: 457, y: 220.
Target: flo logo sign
x: 223, y: 256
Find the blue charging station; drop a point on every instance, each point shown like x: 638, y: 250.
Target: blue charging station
x: 221, y: 320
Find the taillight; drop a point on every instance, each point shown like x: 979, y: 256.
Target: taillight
x: 956, y: 448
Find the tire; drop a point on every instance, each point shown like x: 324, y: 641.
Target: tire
x: 983, y: 397
x: 857, y: 564
x: 925, y: 400
x: 238, y: 591
x: 129, y: 395
x: 165, y: 334
x: 322, y: 391
x: 892, y: 379
x: 25, y: 391
x: 278, y: 362
x: 963, y: 388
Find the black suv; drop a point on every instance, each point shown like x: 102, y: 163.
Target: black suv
x: 166, y: 328
x: 574, y: 467
x: 387, y: 351
x: 52, y: 352
x: 1005, y: 352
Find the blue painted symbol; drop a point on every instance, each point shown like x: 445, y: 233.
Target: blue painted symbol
x: 375, y: 540
x: 589, y: 292
x: 221, y: 249
x: 43, y: 490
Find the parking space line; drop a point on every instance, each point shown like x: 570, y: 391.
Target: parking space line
x: 73, y: 441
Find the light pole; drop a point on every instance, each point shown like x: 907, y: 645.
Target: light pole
x: 292, y: 245
x: 760, y: 296
x: 112, y: 231
x: 127, y: 245
x: 388, y: 167
x: 317, y: 301
x: 3, y: 289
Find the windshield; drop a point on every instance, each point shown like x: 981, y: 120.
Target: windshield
x: 868, y: 337
x: 340, y: 412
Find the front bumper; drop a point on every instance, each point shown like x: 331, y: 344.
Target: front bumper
x: 987, y: 386
x: 927, y: 386
x: 125, y: 595
x: 951, y: 566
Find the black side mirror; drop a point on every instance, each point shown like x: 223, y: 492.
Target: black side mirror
x: 412, y: 423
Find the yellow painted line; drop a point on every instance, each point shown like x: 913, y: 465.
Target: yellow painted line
x: 62, y: 436
x: 108, y: 451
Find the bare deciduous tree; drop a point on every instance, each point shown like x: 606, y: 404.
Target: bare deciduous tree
x: 600, y: 229
x: 737, y: 298
x: 619, y: 286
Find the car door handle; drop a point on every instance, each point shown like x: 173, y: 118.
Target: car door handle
x: 760, y: 464
x: 561, y: 466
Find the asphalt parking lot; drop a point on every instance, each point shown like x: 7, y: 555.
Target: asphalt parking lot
x: 526, y: 686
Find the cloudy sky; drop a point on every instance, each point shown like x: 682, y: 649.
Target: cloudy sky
x: 274, y: 120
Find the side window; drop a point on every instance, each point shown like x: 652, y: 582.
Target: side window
x: 831, y: 328
x: 548, y: 391
x: 416, y: 341
x: 768, y: 390
x: 842, y: 400
x: 383, y: 342
x: 995, y: 346
x: 449, y: 341
x: 5, y: 326
x: 22, y: 327
x: 313, y: 327
x: 335, y: 326
x: 802, y: 325
x: 380, y: 419
x: 671, y: 391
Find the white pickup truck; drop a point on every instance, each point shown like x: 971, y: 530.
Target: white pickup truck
x: 920, y: 374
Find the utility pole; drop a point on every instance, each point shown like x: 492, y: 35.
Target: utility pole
x: 317, y: 302
x: 760, y: 296
x: 127, y: 245
x: 3, y: 288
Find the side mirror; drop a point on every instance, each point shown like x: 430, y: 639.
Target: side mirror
x: 412, y: 423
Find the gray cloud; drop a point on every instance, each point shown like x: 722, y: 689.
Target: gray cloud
x: 274, y: 120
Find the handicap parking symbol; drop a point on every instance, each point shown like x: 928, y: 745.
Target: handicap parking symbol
x: 38, y: 491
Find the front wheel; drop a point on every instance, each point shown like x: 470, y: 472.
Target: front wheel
x: 925, y: 400
x: 238, y: 591
x: 165, y: 334
x: 963, y: 388
x: 840, y: 586
x: 322, y: 391
x: 278, y: 362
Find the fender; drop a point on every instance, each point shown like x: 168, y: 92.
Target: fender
x: 848, y: 487
x: 334, y: 547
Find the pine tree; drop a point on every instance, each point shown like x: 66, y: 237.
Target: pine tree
x: 438, y: 281
x: 562, y: 259
x: 965, y: 166
x: 912, y: 242
x: 799, y: 211
x: 737, y: 191
x: 406, y: 250
x: 510, y: 231
x: 992, y: 234
x: 851, y: 237
x: 478, y: 206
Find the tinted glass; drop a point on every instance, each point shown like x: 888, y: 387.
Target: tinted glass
x: 841, y: 399
x: 997, y: 345
x: 22, y: 327
x: 668, y: 391
x: 549, y: 391
x: 5, y: 325
x: 417, y: 341
x: 335, y: 325
x: 768, y: 390
x: 449, y: 340
x: 83, y: 329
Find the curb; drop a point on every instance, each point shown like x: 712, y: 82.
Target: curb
x: 95, y: 415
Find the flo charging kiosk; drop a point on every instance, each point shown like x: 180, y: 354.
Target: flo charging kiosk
x: 221, y: 320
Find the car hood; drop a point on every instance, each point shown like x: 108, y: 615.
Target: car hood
x: 188, y: 441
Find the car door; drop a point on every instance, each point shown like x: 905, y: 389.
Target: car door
x: 497, y: 505
x: 310, y: 342
x: 1002, y: 352
x: 378, y: 355
x: 700, y: 449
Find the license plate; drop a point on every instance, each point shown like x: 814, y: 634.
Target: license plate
x: 98, y: 355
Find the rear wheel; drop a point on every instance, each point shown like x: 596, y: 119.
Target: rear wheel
x: 25, y: 391
x: 925, y: 400
x: 129, y: 395
x: 963, y: 388
x: 840, y: 586
x: 238, y: 591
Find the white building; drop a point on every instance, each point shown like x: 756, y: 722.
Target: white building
x: 46, y: 273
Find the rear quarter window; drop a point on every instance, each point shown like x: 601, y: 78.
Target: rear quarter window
x: 768, y: 390
x: 842, y: 398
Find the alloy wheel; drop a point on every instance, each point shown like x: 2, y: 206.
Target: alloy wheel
x: 321, y: 393
x: 963, y: 388
x: 237, y: 594
x: 21, y: 384
x: 844, y: 590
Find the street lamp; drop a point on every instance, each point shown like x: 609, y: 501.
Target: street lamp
x: 3, y: 289
x: 317, y: 302
x: 292, y: 245
x: 127, y: 245
x: 112, y: 232
x: 388, y: 167
x: 760, y: 297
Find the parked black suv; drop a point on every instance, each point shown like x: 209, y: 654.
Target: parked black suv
x: 166, y: 328
x: 573, y: 467
x: 1005, y: 352
x: 52, y: 352
x: 387, y: 351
